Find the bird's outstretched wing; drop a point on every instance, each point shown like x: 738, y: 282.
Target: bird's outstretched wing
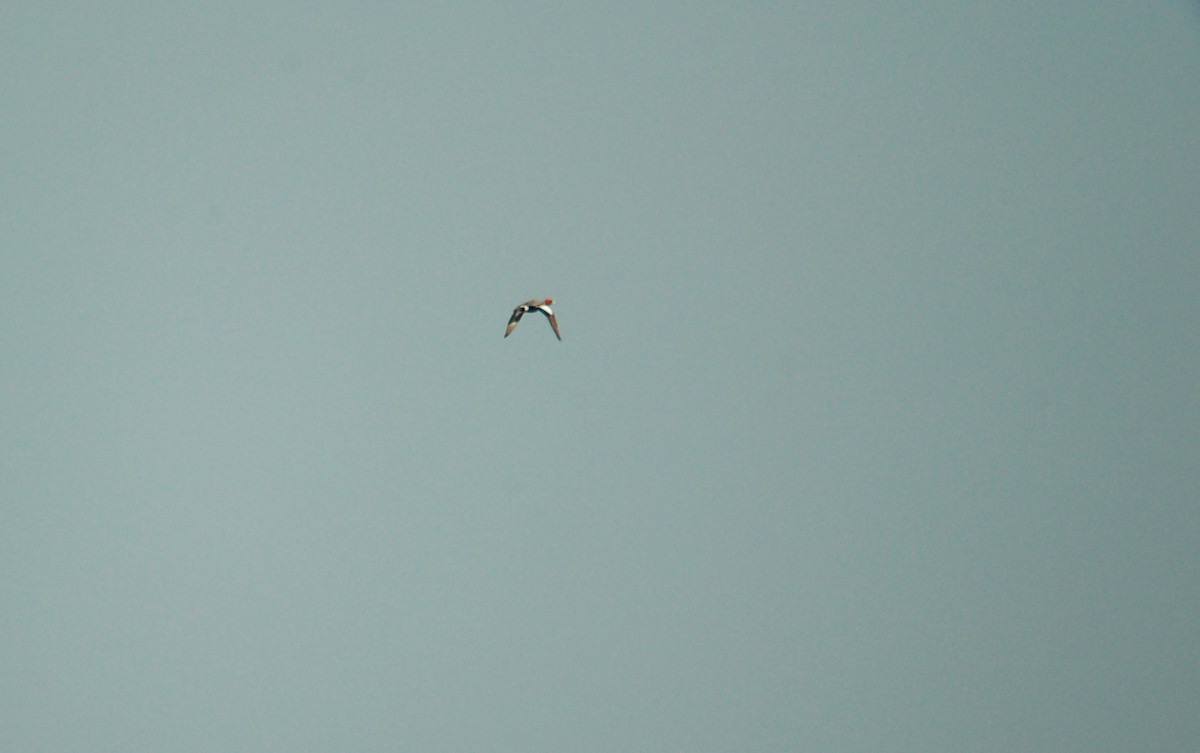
x: 553, y: 320
x: 518, y: 312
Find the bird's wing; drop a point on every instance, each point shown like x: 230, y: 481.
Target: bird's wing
x: 518, y: 312
x: 549, y: 312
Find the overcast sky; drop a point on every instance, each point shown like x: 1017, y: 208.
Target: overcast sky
x: 875, y: 425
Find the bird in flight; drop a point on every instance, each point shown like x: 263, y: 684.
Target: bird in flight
x: 535, y: 305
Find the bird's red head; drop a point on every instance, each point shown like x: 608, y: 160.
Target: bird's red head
x: 549, y: 301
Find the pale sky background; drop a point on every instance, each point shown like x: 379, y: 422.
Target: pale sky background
x: 875, y: 427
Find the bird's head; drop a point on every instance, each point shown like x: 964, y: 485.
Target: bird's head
x: 549, y: 301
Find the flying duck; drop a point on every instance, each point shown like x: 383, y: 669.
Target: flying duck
x: 534, y: 305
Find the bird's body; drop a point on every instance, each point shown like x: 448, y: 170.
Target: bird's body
x: 542, y: 305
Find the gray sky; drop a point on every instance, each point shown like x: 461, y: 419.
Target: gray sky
x: 875, y: 426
